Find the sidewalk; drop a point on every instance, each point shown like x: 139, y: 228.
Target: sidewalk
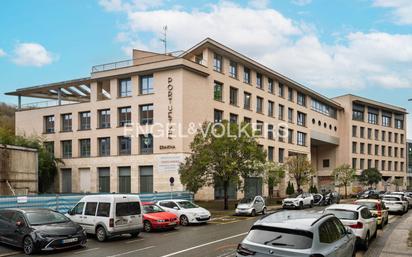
x: 396, y: 243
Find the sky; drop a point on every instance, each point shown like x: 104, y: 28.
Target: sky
x: 363, y: 47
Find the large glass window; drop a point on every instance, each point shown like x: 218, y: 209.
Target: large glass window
x: 218, y: 116
x: 84, y: 120
x: 84, y: 147
x: 66, y: 122
x: 66, y: 149
x: 125, y: 87
x: 301, y: 99
x: 246, y: 75
x: 104, y: 180
x: 104, y: 146
x: 146, y: 144
x: 281, y: 90
x: 281, y: 156
x: 301, y: 119
x: 49, y: 124
x: 301, y: 138
x: 386, y: 121
x: 125, y: 145
x: 399, y: 121
x: 270, y: 86
x: 233, y: 69
x: 125, y: 116
x: 271, y: 151
x: 218, y: 91
x: 146, y: 179
x: 323, y: 108
x: 233, y: 118
x: 233, y: 96
x: 259, y: 104
x: 259, y: 80
x: 146, y: 85
x: 146, y: 114
x: 372, y: 118
x: 104, y: 118
x: 124, y: 181
x: 290, y: 94
x: 217, y: 62
x: 247, y: 100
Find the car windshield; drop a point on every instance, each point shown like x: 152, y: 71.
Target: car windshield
x: 246, y: 200
x: 280, y: 237
x: 391, y: 198
x: 45, y: 217
x: 152, y: 208
x: 370, y: 205
x: 295, y: 195
x: 188, y: 205
x: 343, y: 214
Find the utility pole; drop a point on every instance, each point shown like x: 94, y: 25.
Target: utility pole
x: 164, y: 39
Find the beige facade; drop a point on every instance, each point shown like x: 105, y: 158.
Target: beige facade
x: 209, y: 82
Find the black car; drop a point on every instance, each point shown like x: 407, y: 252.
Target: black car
x: 369, y: 194
x: 39, y: 229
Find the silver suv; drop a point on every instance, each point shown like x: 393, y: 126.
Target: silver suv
x: 293, y: 233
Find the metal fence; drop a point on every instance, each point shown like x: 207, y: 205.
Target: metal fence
x: 64, y: 202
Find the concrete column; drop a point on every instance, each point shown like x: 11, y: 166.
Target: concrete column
x: 59, y: 96
x: 19, y: 102
x: 134, y: 177
x: 93, y: 92
x: 114, y: 91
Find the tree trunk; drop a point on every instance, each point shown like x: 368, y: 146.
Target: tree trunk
x: 225, y: 196
x: 270, y: 188
x: 346, y: 190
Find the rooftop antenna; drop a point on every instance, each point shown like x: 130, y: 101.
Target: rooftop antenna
x: 164, y: 39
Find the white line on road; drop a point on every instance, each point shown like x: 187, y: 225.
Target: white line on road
x: 202, y: 245
x: 134, y: 241
x: 9, y: 254
x: 87, y: 250
x: 134, y: 251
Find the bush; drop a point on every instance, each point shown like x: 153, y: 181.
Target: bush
x: 290, y: 189
x: 313, y: 189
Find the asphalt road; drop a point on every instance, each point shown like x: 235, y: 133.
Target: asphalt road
x: 219, y: 238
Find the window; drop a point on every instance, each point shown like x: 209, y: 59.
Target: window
x: 146, y: 114
x: 146, y: 144
x: 354, y: 129
x: 104, y: 180
x: 128, y: 208
x: 369, y: 133
x: 389, y: 136
x: 281, y: 156
x: 270, y: 131
x: 146, y: 179
x: 90, y: 209
x: 396, y: 137
x: 125, y: 145
x: 246, y: 75
x: 383, y: 166
x: 217, y: 62
x: 259, y: 104
x: 301, y: 138
x: 372, y: 117
x: 290, y: 136
x: 395, y: 168
x: 271, y: 108
x: 233, y: 96
x: 369, y: 148
x: 66, y: 149
x: 369, y: 163
x: 290, y: 115
x: 354, y: 147
x: 396, y: 151
x: 383, y: 136
x: 49, y: 124
x: 49, y: 146
x: 402, y: 138
x: 84, y: 147
x: 280, y: 112
x: 401, y: 151
x: 281, y: 90
x: 390, y: 151
x: 146, y: 85
x: 247, y: 100
x: 362, y: 132
x: 354, y: 163
x: 362, y: 164
x: 398, y: 124
x: 233, y: 118
x: 270, y: 86
x: 84, y: 120
x: 362, y: 148
x: 323, y: 108
x: 389, y: 165
x: 124, y: 188
x: 281, y: 134
x: 326, y: 163
x: 125, y: 87
x: 301, y: 99
x: 358, y: 112
x: 218, y: 91
x: 401, y: 166
x: 376, y: 164
x: 233, y: 69
x: 125, y: 116
x: 218, y: 116
x: 259, y: 128
x: 66, y: 122
x: 259, y: 80
x: 386, y: 121
x: 103, y: 210
x: 247, y: 120
x: 104, y: 118
x: 290, y: 94
x: 301, y: 119
x: 383, y: 151
x: 328, y: 232
x: 271, y: 150
x: 376, y: 134
x: 78, y: 209
x: 104, y: 146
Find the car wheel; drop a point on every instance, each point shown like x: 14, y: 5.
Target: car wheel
x: 147, y: 226
x: 301, y: 205
x: 101, y: 234
x: 28, y: 245
x: 311, y: 204
x: 253, y: 213
x: 183, y: 220
x: 387, y: 220
x: 366, y: 242
x: 135, y: 234
x: 264, y: 211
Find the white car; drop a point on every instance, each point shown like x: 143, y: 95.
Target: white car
x: 395, y: 203
x: 300, y: 201
x: 108, y: 215
x: 186, y: 211
x: 251, y: 206
x: 407, y: 197
x: 357, y: 217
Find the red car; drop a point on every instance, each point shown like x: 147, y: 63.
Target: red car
x: 154, y: 217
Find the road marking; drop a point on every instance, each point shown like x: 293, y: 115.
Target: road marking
x: 87, y: 250
x: 205, y: 244
x: 134, y: 251
x: 9, y: 254
x: 133, y: 241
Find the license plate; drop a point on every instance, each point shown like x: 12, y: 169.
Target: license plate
x: 69, y: 240
x: 204, y: 216
x: 172, y: 223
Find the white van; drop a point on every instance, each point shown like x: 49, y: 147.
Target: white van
x: 108, y: 215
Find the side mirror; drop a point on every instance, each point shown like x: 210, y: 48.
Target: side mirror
x: 19, y: 223
x: 176, y: 208
x: 348, y: 231
x: 70, y: 212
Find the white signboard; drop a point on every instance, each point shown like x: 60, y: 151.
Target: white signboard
x: 169, y: 162
x: 22, y: 199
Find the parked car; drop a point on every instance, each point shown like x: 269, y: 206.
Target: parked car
x: 359, y: 219
x: 376, y: 207
x: 108, y: 215
x: 298, y: 234
x: 298, y: 201
x: 406, y: 196
x: 39, y: 229
x: 332, y: 198
x: 369, y: 194
x: 251, y: 206
x: 154, y: 217
x: 395, y: 203
x: 186, y: 211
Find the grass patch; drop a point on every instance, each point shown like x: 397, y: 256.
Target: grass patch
x: 410, y: 239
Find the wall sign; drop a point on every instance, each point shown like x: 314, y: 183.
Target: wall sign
x: 169, y: 162
x: 167, y: 147
x: 170, y: 108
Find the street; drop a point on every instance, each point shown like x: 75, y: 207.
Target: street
x: 219, y: 238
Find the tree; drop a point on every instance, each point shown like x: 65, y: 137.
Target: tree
x: 272, y: 174
x: 290, y: 190
x: 221, y: 153
x: 7, y: 116
x: 370, y: 177
x: 313, y: 189
x: 344, y: 175
x: 300, y: 169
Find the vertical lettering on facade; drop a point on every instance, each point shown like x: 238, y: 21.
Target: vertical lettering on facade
x: 170, y: 108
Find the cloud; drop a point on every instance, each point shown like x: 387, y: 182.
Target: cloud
x: 301, y: 2
x: 2, y: 53
x: 129, y: 5
x: 358, y: 60
x: 32, y: 54
x: 258, y: 4
x: 401, y: 10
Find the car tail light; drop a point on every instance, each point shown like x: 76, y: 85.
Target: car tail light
x: 357, y: 225
x: 244, y: 251
x: 316, y: 255
x: 111, y: 223
x: 379, y: 208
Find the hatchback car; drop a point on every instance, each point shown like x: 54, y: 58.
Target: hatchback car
x: 186, y: 211
x: 298, y: 234
x: 395, y: 203
x: 39, y: 229
x: 251, y: 206
x: 369, y: 194
x: 154, y: 217
x: 359, y: 219
x: 406, y: 196
x: 298, y: 201
x: 376, y: 207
